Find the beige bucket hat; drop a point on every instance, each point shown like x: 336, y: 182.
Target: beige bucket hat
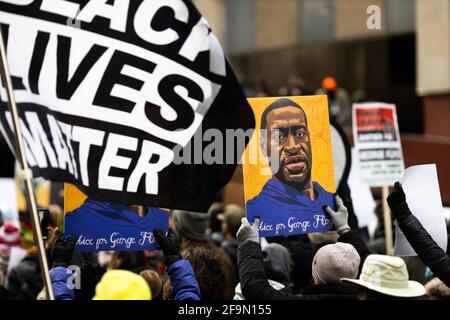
x: 387, y: 275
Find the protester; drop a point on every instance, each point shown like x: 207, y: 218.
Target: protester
x: 154, y: 282
x: 209, y: 272
x: 254, y: 282
x: 192, y: 228
x: 385, y: 277
x: 346, y: 234
x: 231, y: 221
x: 301, y: 251
x: 338, y: 101
x: 61, y: 254
x: 24, y: 280
x: 277, y: 265
x: 420, y: 240
x: 331, y: 263
x: 182, y: 278
x: 122, y: 285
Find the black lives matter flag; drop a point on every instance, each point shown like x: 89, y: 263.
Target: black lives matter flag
x: 111, y: 92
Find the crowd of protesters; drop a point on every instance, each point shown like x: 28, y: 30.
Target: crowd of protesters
x: 219, y: 255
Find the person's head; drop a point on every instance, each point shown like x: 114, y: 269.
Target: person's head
x: 167, y: 291
x: 191, y: 226
x: 231, y: 219
x: 335, y: 261
x: 277, y: 263
x: 209, y: 271
x: 129, y: 260
x: 122, y: 285
x: 154, y: 282
x: 386, y: 277
x: 329, y: 84
x: 285, y: 135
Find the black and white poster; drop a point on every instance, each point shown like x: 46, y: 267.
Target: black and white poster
x: 116, y: 97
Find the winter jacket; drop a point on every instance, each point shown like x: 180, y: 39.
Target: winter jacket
x: 425, y: 247
x: 182, y: 278
x: 254, y: 283
x: 24, y: 281
x: 61, y: 290
x: 302, y: 253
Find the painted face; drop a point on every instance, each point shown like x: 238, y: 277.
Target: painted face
x: 287, y: 134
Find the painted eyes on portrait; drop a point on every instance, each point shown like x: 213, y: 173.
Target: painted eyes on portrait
x: 279, y: 135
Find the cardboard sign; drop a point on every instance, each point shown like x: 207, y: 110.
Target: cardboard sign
x: 377, y: 141
x: 106, y: 226
x: 288, y: 166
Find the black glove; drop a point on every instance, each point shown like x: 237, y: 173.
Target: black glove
x: 397, y: 202
x: 169, y: 245
x: 62, y: 250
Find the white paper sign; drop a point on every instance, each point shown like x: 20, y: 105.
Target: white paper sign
x: 421, y: 186
x: 362, y: 198
x: 8, y: 200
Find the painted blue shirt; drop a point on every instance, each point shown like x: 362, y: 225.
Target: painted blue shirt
x: 102, y: 226
x: 285, y: 211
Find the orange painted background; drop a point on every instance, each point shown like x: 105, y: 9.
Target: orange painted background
x: 316, y: 109
x: 73, y: 197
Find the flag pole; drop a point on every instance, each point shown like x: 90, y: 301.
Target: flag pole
x: 387, y: 221
x: 25, y: 171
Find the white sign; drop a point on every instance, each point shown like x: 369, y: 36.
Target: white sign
x: 362, y: 198
x: 8, y: 200
x: 377, y: 140
x: 421, y: 186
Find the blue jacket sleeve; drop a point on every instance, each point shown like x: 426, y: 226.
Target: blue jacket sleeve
x: 184, y: 284
x: 61, y: 290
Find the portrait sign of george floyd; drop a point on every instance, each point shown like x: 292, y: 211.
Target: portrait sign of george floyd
x: 110, y: 92
x: 108, y: 226
x: 288, y: 166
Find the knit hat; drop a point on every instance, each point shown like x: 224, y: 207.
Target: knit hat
x: 232, y: 216
x: 276, y: 262
x: 9, y: 234
x: 387, y: 275
x: 335, y: 261
x: 122, y: 285
x: 193, y: 225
